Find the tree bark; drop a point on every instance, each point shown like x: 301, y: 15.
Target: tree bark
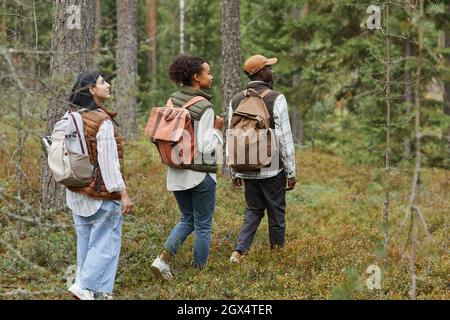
x: 387, y: 165
x: 126, y: 60
x: 408, y: 98
x: 414, y: 197
x: 98, y: 25
x: 19, y: 32
x: 446, y: 133
x: 151, y: 27
x: 182, y: 26
x: 298, y: 125
x: 231, y: 56
x: 174, y: 33
x: 71, y: 47
x: 3, y: 23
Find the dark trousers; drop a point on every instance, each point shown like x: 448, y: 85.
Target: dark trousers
x: 262, y: 194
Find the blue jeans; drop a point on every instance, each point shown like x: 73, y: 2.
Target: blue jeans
x: 197, y: 208
x: 98, y: 247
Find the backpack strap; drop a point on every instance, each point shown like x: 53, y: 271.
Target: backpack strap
x: 265, y: 93
x: 188, y: 104
x: 241, y: 95
x: 247, y: 92
x: 270, y: 110
x: 78, y: 132
x: 193, y: 101
x: 262, y: 95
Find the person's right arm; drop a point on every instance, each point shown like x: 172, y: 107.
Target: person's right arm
x: 108, y: 161
x: 285, y: 139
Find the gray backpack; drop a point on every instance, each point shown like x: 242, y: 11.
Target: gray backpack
x: 67, y: 152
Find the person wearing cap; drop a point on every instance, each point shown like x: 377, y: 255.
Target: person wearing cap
x: 265, y: 188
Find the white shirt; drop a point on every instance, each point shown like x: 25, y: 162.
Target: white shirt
x: 108, y: 161
x: 208, y: 139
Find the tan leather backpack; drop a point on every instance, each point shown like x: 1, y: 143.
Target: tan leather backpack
x: 250, y: 139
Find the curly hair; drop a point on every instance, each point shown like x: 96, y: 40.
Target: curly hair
x: 184, y: 67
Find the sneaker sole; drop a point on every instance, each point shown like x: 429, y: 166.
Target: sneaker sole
x: 74, y: 295
x: 77, y: 294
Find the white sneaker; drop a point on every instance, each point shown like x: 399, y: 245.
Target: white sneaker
x: 80, y: 293
x: 161, y: 269
x: 235, y: 257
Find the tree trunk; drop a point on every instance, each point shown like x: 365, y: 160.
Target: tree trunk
x: 174, y: 50
x: 18, y: 32
x: 446, y: 133
x: 387, y: 165
x: 231, y: 57
x: 414, y: 197
x: 408, y: 98
x: 182, y: 26
x: 298, y: 126
x: 98, y: 25
x: 126, y: 60
x: 72, y: 44
x: 3, y: 23
x: 314, y: 129
x: 151, y: 27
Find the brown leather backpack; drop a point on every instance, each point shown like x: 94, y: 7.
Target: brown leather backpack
x: 250, y: 139
x: 172, y: 131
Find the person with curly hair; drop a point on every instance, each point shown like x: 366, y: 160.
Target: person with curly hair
x: 194, y: 188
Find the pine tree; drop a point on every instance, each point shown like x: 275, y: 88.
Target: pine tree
x: 125, y: 89
x: 231, y: 57
x: 72, y: 52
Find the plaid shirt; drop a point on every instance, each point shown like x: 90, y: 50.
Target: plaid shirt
x: 283, y: 136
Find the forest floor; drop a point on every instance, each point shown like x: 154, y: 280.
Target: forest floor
x: 334, y: 233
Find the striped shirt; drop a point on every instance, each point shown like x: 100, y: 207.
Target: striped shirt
x: 283, y: 136
x: 108, y: 161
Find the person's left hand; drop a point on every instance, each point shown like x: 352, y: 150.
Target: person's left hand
x: 218, y: 123
x: 290, y: 184
x: 127, y: 205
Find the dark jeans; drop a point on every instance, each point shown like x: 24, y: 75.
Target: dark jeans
x: 262, y: 194
x: 197, y: 208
